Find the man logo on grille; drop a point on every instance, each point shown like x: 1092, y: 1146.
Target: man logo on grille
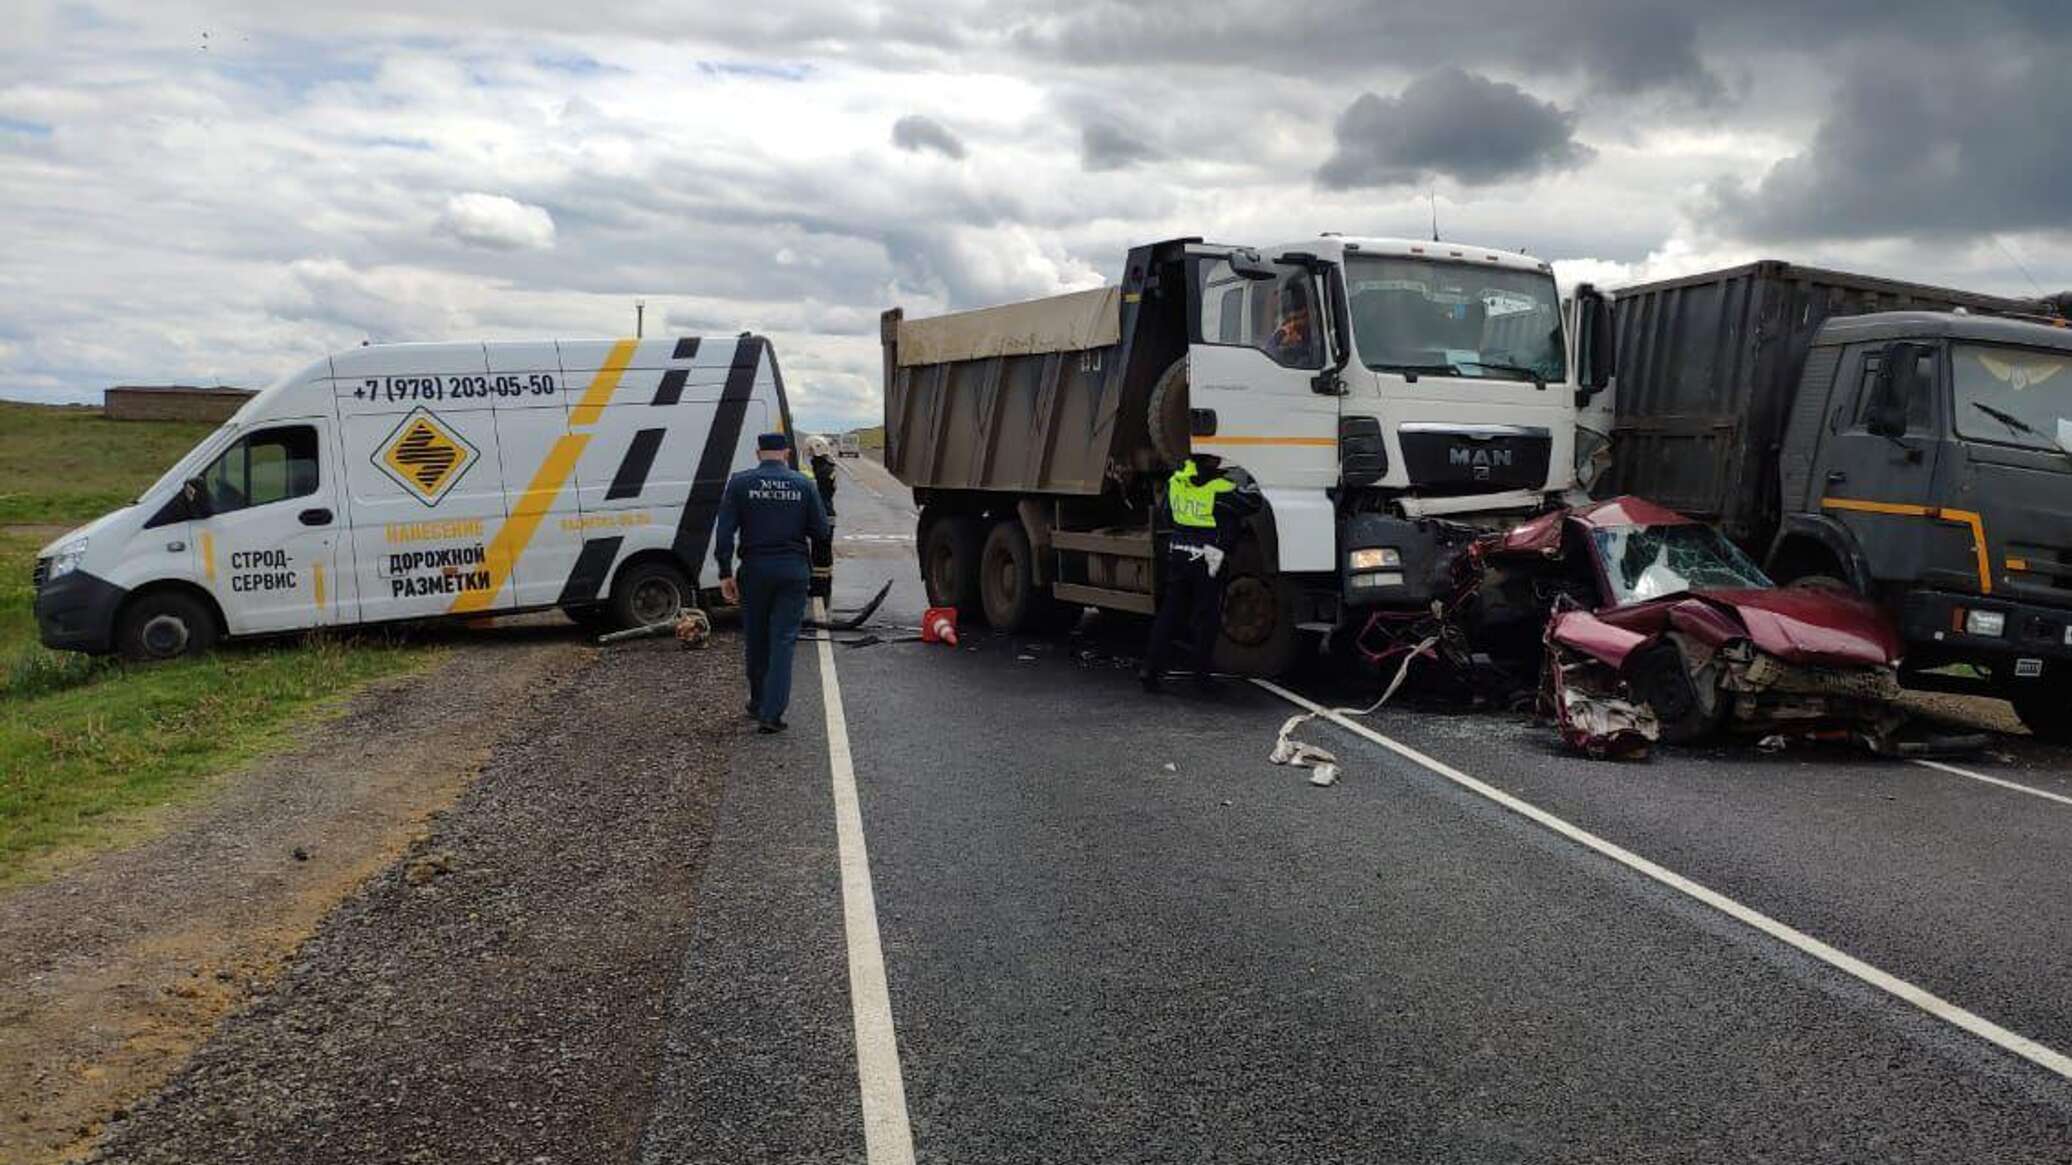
x: 425, y: 457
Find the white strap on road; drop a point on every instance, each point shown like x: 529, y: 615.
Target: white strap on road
x: 2046, y: 1058
x: 887, y: 1140
x: 2019, y: 788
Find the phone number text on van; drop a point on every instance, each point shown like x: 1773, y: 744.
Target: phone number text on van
x: 391, y: 389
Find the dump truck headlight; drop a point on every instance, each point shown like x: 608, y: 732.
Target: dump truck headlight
x: 1375, y: 559
x: 1387, y: 578
x: 1992, y: 623
x: 67, y: 559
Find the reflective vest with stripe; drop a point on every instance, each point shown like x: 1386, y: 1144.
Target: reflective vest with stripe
x: 1194, y: 503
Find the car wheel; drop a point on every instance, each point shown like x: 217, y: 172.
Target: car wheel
x: 648, y: 593
x: 1657, y: 674
x: 165, y: 625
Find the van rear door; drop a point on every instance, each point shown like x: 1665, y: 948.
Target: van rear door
x: 269, y: 546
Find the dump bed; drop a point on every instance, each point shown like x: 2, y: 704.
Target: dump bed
x: 1706, y: 369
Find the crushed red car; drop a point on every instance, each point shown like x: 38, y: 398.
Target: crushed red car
x: 1656, y: 625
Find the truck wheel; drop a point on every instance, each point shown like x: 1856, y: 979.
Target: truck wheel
x: 1822, y: 582
x: 1259, y: 615
x: 2045, y: 710
x: 647, y: 593
x: 1007, y: 585
x: 949, y: 563
x: 1658, y: 676
x: 1171, y: 433
x: 165, y: 625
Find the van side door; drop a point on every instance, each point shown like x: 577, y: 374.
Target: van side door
x: 268, y: 547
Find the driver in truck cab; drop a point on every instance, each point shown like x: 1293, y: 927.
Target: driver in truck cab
x: 1290, y: 343
x: 1208, y: 503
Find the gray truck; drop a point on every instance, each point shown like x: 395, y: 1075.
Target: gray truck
x: 1907, y: 442
x: 1387, y: 396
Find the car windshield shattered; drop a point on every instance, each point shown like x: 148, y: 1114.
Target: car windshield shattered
x: 1647, y: 562
x: 1455, y: 319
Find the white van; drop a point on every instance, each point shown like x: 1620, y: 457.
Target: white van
x: 417, y: 481
x: 849, y: 445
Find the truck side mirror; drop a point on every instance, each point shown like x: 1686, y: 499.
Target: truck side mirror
x: 1594, y: 331
x: 1898, y: 380
x: 1245, y: 263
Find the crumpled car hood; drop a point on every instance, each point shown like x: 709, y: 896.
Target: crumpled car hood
x: 1816, y: 627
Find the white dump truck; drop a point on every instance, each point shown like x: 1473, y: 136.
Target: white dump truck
x: 1388, y: 396
x: 418, y: 481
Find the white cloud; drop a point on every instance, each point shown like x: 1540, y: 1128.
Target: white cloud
x: 497, y: 222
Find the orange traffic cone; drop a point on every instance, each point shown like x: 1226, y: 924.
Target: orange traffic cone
x: 939, y: 625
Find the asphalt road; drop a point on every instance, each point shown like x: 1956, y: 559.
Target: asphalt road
x: 1110, y: 931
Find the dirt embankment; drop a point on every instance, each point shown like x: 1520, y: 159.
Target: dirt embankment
x: 115, y: 967
x: 500, y: 993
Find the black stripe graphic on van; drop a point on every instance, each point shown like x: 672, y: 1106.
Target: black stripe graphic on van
x: 633, y: 471
x: 694, y: 529
x: 671, y: 389
x: 686, y: 348
x: 593, y: 566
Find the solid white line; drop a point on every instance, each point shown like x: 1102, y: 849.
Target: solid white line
x: 2021, y: 1045
x: 887, y: 1139
x: 1938, y: 765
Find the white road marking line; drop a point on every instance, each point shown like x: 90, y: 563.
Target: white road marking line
x: 887, y: 1139
x: 2044, y: 1057
x: 2019, y: 788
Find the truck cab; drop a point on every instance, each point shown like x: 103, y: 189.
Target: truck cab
x: 1928, y: 462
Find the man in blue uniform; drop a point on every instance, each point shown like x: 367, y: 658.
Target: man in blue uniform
x: 777, y: 512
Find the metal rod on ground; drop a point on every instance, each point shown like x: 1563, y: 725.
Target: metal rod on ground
x: 849, y: 624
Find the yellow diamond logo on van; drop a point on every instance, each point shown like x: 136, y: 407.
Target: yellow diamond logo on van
x: 425, y: 456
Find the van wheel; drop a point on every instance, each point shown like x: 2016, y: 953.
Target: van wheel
x: 1007, y: 585
x: 949, y: 564
x: 648, y: 593
x: 1259, y: 615
x: 165, y: 625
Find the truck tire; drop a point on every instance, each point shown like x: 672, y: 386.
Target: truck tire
x: 163, y: 625
x: 2045, y: 710
x: 950, y: 547
x: 1658, y: 676
x: 1007, y: 588
x: 1259, y: 636
x: 1167, y: 417
x: 647, y: 593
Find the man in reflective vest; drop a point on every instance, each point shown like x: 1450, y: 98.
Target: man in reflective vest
x: 1208, y: 506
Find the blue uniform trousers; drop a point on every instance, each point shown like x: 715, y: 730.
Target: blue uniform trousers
x: 773, y: 604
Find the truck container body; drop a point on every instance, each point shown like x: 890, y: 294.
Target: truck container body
x: 421, y: 481
x: 1911, y: 443
x: 1380, y: 393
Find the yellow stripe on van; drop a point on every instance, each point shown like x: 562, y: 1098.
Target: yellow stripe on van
x: 318, y: 585
x: 526, y: 511
x: 602, y: 385
x: 517, y: 531
x: 208, y: 555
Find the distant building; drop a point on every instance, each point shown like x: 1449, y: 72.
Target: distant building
x: 172, y: 402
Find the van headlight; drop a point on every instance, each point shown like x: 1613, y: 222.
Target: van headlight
x: 1376, y: 559
x: 67, y: 559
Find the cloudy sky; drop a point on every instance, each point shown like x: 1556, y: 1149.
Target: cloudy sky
x: 204, y: 192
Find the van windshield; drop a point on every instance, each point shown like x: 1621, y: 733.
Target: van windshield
x: 1455, y: 319
x: 2013, y: 396
x: 190, y: 463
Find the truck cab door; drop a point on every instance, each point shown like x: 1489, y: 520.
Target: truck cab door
x: 1875, y: 471
x: 268, y: 546
x: 1256, y: 347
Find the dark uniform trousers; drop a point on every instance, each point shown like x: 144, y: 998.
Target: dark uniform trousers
x: 1190, y: 594
x: 773, y: 602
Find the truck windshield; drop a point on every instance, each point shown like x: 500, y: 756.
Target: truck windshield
x: 1455, y: 319
x: 1647, y: 562
x: 2013, y: 396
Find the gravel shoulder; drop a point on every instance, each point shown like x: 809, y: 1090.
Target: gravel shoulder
x: 497, y: 994
x: 115, y: 965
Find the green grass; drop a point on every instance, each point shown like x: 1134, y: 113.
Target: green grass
x: 66, y: 465
x: 86, y: 743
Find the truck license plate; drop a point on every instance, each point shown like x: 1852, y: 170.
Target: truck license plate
x: 2028, y: 669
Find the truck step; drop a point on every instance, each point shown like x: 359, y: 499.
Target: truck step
x: 1136, y: 601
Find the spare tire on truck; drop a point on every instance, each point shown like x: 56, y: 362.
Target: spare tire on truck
x: 950, y: 545
x: 1167, y: 416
